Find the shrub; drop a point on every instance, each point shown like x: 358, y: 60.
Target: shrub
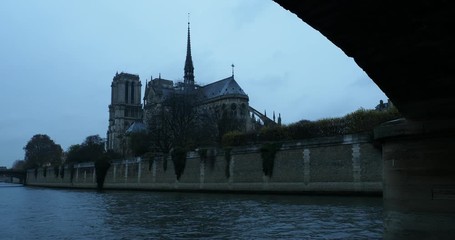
x: 366, y: 120
x: 273, y: 133
x: 102, y: 165
x: 359, y: 121
x: 178, y: 155
x: 234, y: 138
x: 268, y: 152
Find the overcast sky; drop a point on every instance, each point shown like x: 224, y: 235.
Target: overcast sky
x: 58, y: 58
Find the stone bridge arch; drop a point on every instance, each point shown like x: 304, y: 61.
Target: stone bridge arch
x: 21, y: 175
x: 408, y: 49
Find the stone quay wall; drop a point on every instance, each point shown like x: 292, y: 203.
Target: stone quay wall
x: 349, y: 164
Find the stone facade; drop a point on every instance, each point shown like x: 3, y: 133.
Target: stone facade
x: 337, y: 165
x: 125, y: 108
x: 224, y: 97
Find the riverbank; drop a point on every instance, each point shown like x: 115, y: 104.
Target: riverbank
x: 343, y: 165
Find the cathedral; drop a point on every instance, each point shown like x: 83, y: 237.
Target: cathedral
x: 127, y: 114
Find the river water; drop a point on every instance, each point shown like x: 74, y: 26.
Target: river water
x: 40, y: 213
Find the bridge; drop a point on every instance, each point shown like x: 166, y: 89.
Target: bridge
x: 407, y: 48
x: 20, y: 174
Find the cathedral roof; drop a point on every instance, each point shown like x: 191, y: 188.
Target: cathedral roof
x: 160, y: 86
x: 136, y: 127
x: 221, y: 88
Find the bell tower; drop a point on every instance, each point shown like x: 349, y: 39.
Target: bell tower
x: 124, y: 110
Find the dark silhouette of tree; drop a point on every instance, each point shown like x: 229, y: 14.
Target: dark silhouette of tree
x: 174, y: 123
x: 138, y: 143
x: 180, y: 122
x: 102, y: 165
x: 89, y: 151
x: 42, y: 150
x: 19, y: 165
x: 74, y: 154
x: 227, y: 123
x: 181, y: 119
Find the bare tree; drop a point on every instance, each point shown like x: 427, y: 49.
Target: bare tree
x: 174, y: 123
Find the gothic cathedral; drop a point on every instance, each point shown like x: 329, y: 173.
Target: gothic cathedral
x: 126, y: 113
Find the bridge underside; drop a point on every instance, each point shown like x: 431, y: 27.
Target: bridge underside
x: 21, y: 175
x: 407, y: 48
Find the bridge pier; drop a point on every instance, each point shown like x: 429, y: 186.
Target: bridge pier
x: 419, y: 179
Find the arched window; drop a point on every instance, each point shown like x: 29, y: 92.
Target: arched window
x: 233, y: 110
x: 132, y: 92
x: 126, y: 92
x: 243, y: 109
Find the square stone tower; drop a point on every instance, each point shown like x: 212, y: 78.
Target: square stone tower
x: 124, y: 110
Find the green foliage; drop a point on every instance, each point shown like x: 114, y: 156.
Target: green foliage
x: 111, y: 155
x: 74, y: 154
x: 359, y: 121
x: 102, y: 165
x: 41, y: 150
x: 89, y: 151
x: 365, y: 120
x: 238, y: 139
x: 178, y: 155
x: 273, y: 133
x: 180, y: 122
x: 234, y: 138
x: 268, y: 152
x: 227, y: 124
x: 19, y: 165
x: 321, y: 128
x: 139, y: 143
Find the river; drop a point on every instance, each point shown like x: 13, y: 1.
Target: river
x: 41, y: 213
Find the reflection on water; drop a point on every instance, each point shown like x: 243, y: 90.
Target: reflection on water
x: 38, y: 213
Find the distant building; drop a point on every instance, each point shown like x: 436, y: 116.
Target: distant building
x: 384, y: 106
x: 225, y: 96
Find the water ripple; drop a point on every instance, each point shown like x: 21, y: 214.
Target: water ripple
x: 34, y: 213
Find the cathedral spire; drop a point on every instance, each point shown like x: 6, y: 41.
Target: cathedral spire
x: 188, y: 78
